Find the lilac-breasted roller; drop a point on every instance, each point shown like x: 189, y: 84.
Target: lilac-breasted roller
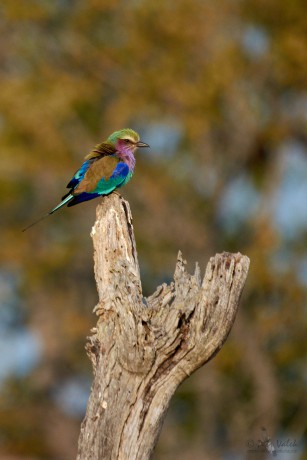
x: 108, y: 166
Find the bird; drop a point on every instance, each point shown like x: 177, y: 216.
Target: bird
x: 107, y: 167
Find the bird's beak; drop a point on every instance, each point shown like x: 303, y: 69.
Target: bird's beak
x: 142, y: 144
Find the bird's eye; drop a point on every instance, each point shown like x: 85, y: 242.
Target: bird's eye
x: 127, y: 141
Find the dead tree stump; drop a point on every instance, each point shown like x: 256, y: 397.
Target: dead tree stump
x: 142, y: 349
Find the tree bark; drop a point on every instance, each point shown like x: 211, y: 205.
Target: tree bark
x: 142, y: 349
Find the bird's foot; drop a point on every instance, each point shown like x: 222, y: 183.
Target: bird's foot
x: 117, y: 193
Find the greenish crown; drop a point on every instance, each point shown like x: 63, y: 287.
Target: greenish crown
x: 125, y: 133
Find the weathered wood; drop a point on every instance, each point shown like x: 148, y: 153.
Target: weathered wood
x: 142, y: 349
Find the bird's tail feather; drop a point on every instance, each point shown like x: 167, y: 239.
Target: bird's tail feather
x: 63, y: 202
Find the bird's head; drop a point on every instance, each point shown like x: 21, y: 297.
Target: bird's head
x: 126, y: 140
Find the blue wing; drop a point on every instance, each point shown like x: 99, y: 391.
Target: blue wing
x: 77, y: 178
x: 119, y: 177
x: 120, y: 174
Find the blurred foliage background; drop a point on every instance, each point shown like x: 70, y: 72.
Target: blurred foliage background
x: 219, y: 91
